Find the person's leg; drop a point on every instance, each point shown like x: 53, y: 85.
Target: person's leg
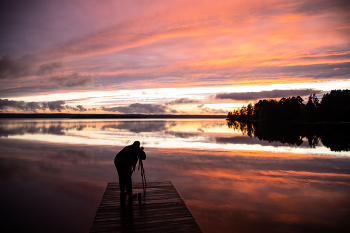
x: 118, y: 162
x: 128, y: 181
x: 121, y: 181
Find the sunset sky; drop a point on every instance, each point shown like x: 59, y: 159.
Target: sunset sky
x: 169, y: 57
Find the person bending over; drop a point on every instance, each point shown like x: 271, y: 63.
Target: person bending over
x: 125, y: 163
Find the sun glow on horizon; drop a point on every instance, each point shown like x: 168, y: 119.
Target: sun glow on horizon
x: 202, y: 95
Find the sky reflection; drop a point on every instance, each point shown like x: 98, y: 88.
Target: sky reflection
x: 200, y: 134
x: 47, y: 185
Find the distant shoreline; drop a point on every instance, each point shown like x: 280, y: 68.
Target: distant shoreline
x: 104, y: 116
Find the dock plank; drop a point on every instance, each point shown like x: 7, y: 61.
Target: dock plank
x: 161, y: 209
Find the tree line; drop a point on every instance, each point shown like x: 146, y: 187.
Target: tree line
x: 334, y: 106
x: 336, y: 137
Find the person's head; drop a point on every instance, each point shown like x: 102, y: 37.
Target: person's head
x: 136, y: 143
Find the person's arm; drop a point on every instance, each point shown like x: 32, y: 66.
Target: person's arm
x: 142, y: 153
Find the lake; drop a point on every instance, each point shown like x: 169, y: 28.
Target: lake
x: 234, y: 177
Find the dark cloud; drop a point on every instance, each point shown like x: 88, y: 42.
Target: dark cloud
x: 56, y: 105
x: 44, y: 105
x: 75, y: 80
x: 49, y: 68
x: 53, y: 105
x: 265, y: 94
x: 80, y: 108
x: 13, y: 68
x: 205, y: 110
x: 183, y: 101
x: 320, y: 6
x: 34, y: 106
x: 138, y: 108
x: 21, y: 105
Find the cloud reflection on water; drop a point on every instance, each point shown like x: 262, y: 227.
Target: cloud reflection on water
x: 45, y: 187
x: 259, y: 191
x: 204, y: 133
x: 244, y: 190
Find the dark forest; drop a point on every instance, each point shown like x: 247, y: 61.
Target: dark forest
x: 334, y: 106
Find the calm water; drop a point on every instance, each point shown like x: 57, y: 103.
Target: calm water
x: 234, y: 178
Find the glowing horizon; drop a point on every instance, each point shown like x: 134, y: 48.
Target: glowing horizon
x: 203, y: 134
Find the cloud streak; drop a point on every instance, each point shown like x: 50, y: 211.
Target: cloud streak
x: 10, y: 68
x: 183, y: 101
x: 138, y: 108
x: 75, y: 80
x: 246, y: 96
x: 49, y: 68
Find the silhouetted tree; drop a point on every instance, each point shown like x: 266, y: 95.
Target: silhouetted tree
x: 335, y: 106
x: 270, y: 110
x: 243, y: 111
x: 257, y: 109
x: 312, y: 109
x: 250, y: 110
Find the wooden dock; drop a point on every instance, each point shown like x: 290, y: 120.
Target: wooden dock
x: 160, y: 209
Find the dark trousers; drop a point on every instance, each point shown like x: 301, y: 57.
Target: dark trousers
x: 124, y: 172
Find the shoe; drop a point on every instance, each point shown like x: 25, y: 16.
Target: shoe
x: 132, y: 195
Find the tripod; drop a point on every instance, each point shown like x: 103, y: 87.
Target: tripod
x: 143, y: 176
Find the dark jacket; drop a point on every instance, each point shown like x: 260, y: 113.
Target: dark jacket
x: 132, y: 154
